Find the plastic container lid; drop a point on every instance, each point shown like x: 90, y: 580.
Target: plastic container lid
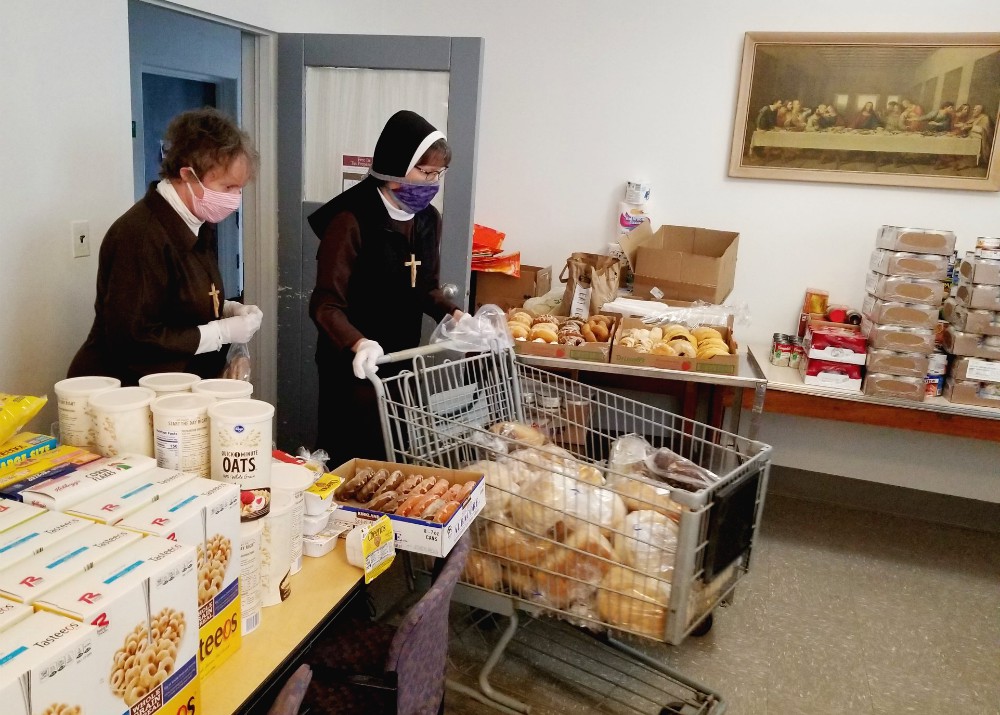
x: 181, y: 404
x: 85, y: 385
x: 291, y: 477
x: 169, y: 381
x: 241, y: 410
x: 224, y: 389
x: 122, y: 399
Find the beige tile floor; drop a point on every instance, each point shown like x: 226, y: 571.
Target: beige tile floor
x: 844, y: 611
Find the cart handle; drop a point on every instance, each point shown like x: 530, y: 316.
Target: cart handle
x: 411, y: 353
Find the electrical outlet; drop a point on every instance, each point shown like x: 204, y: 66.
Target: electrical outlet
x: 80, y: 233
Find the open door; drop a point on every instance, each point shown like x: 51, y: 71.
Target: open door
x: 335, y: 93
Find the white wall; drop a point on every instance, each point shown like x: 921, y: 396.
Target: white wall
x: 578, y: 96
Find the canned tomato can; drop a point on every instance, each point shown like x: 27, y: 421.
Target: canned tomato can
x: 782, y: 351
x: 797, y: 355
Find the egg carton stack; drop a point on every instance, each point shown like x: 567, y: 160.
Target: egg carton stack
x: 905, y: 290
x: 973, y: 333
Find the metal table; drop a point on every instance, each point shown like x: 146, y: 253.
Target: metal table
x: 749, y: 376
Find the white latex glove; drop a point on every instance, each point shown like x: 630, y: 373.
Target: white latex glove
x: 238, y: 329
x: 232, y: 308
x: 365, y: 354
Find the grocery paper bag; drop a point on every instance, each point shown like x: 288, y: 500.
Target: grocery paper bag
x: 591, y: 281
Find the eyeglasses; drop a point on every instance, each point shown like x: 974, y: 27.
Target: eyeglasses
x: 432, y: 174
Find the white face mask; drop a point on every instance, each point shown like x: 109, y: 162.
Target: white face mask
x: 214, y: 206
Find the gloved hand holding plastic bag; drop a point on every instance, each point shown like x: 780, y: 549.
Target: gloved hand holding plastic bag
x: 486, y: 330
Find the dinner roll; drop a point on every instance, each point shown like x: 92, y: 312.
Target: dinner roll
x: 634, y: 601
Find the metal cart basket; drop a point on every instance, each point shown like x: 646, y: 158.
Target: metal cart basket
x: 572, y: 528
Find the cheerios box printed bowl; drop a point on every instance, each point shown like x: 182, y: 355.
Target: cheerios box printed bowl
x: 411, y: 534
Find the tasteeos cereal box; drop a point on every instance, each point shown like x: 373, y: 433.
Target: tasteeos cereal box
x: 13, y: 513
x: 36, y: 535
x: 142, y: 601
x: 127, y: 497
x: 28, y: 580
x: 68, y: 490
x: 205, y: 513
x: 47, y: 662
x: 24, y: 445
x: 12, y: 613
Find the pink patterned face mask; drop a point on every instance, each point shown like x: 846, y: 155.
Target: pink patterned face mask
x: 214, y: 206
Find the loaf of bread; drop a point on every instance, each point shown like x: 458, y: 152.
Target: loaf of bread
x: 648, y: 543
x: 634, y: 602
x: 570, y: 572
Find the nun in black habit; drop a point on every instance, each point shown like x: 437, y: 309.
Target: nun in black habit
x: 377, y: 275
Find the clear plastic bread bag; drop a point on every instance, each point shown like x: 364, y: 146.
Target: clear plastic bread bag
x: 237, y: 363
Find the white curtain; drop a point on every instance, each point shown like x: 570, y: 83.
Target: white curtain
x: 346, y: 110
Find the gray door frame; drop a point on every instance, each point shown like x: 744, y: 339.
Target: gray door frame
x: 462, y: 58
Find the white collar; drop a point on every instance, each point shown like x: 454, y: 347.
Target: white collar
x: 394, y: 212
x: 169, y: 193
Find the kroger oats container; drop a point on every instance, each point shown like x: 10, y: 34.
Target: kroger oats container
x: 224, y: 389
x: 163, y: 383
x: 76, y: 421
x: 180, y: 432
x: 123, y: 422
x: 251, y: 533
x: 276, y: 551
x: 294, y: 479
x: 240, y: 432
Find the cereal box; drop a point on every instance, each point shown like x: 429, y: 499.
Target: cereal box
x: 36, y: 535
x: 63, y: 492
x: 205, y: 513
x: 142, y: 601
x: 13, y: 513
x: 60, y: 460
x: 46, y: 664
x: 29, y: 580
x: 12, y: 613
x: 129, y: 496
x: 24, y: 445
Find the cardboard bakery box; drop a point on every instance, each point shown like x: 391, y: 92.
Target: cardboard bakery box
x: 416, y: 535
x: 898, y: 338
x: 979, y: 270
x: 681, y: 262
x: 970, y: 320
x: 908, y: 315
x: 896, y: 387
x: 510, y: 292
x: 903, y: 289
x: 591, y: 352
x: 969, y: 345
x: 888, y: 362
x: 978, y: 296
x: 916, y: 240
x: 970, y: 392
x: 717, y: 365
x: 906, y: 263
x: 966, y: 368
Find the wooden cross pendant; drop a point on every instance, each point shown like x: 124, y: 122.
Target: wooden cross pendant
x: 413, y: 263
x: 214, y: 293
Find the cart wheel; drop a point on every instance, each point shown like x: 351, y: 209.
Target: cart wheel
x: 704, y: 627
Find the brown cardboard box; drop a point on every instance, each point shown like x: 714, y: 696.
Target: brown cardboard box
x: 968, y: 345
x: 895, y: 387
x: 979, y: 270
x: 908, y: 315
x: 898, y: 338
x: 510, y: 292
x: 905, y: 289
x: 718, y: 365
x: 978, y: 296
x: 977, y: 369
x: 970, y: 320
x: 967, y: 392
x: 916, y: 240
x: 682, y: 262
x: 888, y: 362
x: 592, y: 352
x: 904, y: 263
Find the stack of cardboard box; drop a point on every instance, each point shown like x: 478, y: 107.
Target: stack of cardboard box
x: 905, y: 289
x: 973, y: 335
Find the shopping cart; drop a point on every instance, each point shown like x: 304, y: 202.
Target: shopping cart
x: 570, y: 528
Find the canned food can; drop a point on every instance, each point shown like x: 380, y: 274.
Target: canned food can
x: 797, y: 355
x: 782, y: 351
x: 937, y: 364
x: 934, y: 385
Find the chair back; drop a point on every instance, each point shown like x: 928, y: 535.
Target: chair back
x: 419, y: 650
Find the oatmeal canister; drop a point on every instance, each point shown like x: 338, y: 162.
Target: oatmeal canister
x: 241, y: 451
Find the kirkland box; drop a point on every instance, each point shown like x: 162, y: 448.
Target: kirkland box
x: 889, y: 362
x: 908, y: 315
x: 716, y: 364
x: 896, y: 387
x: 965, y: 368
x: 421, y: 537
x: 143, y: 602
x: 970, y: 320
x: 24, y: 445
x: 969, y: 345
x: 979, y: 296
x: 205, y: 513
x: 87, y: 480
x: 509, y: 292
x: 48, y: 663
x: 127, y: 497
x: 971, y: 392
x: 916, y: 240
x: 898, y: 338
x: 979, y: 270
x: 902, y: 289
x: 591, y: 352
x: 681, y: 262
x: 905, y: 263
